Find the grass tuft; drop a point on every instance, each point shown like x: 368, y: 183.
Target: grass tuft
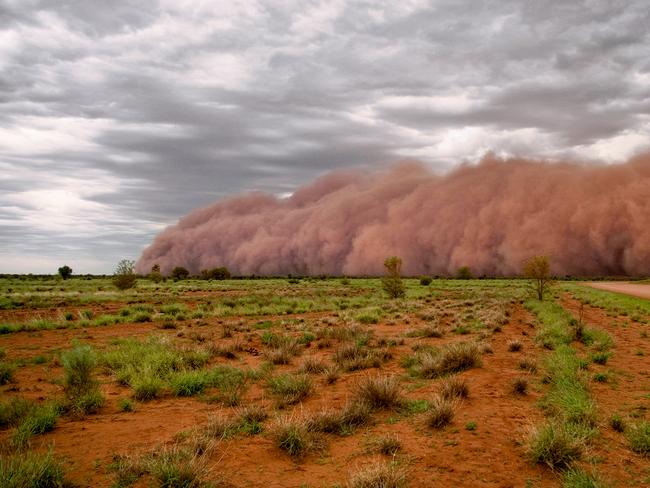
x: 289, y: 389
x: 379, y: 392
x: 441, y: 412
x: 556, y: 445
x: 638, y: 436
x: 379, y: 475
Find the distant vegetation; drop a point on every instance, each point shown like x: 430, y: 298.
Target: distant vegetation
x: 392, y: 282
x: 65, y: 272
x: 124, y: 276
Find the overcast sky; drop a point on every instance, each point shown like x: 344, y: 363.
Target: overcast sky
x: 118, y: 117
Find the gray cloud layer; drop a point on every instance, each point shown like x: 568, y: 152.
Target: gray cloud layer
x: 118, y: 117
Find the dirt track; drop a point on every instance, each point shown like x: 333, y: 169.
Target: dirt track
x: 633, y: 289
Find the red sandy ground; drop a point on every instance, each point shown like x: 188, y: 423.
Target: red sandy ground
x: 490, y: 456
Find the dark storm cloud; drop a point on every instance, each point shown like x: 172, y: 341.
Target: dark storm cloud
x: 118, y: 117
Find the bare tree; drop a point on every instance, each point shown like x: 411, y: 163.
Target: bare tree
x: 538, y: 269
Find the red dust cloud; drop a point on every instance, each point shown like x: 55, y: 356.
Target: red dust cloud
x: 590, y: 220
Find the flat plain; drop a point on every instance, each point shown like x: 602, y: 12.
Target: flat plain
x: 323, y: 383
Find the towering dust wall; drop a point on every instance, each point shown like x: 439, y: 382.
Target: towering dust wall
x: 591, y: 220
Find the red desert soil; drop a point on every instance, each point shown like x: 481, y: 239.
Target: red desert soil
x: 626, y: 393
x: 633, y: 289
x: 490, y: 456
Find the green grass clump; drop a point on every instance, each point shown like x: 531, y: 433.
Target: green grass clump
x: 189, y: 383
x: 598, y: 339
x: 289, y: 389
x: 578, y: 478
x: 40, y: 420
x: 556, y: 445
x: 147, y: 387
x: 617, y: 423
x: 176, y: 467
x: 600, y: 357
x: 294, y: 437
x: 126, y: 405
x: 638, y: 436
x: 14, y: 410
x: 230, y: 382
x: 553, y: 323
x: 148, y: 366
x: 32, y: 470
x: 6, y: 372
x: 81, y: 389
x: 568, y: 398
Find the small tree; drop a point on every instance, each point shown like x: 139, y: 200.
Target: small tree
x: 124, y: 276
x: 65, y: 271
x: 180, y: 273
x: 155, y: 274
x: 392, y: 282
x: 221, y: 273
x: 538, y: 270
x: 464, y: 273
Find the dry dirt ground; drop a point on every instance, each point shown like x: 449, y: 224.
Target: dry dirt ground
x: 484, y: 446
x: 633, y: 289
